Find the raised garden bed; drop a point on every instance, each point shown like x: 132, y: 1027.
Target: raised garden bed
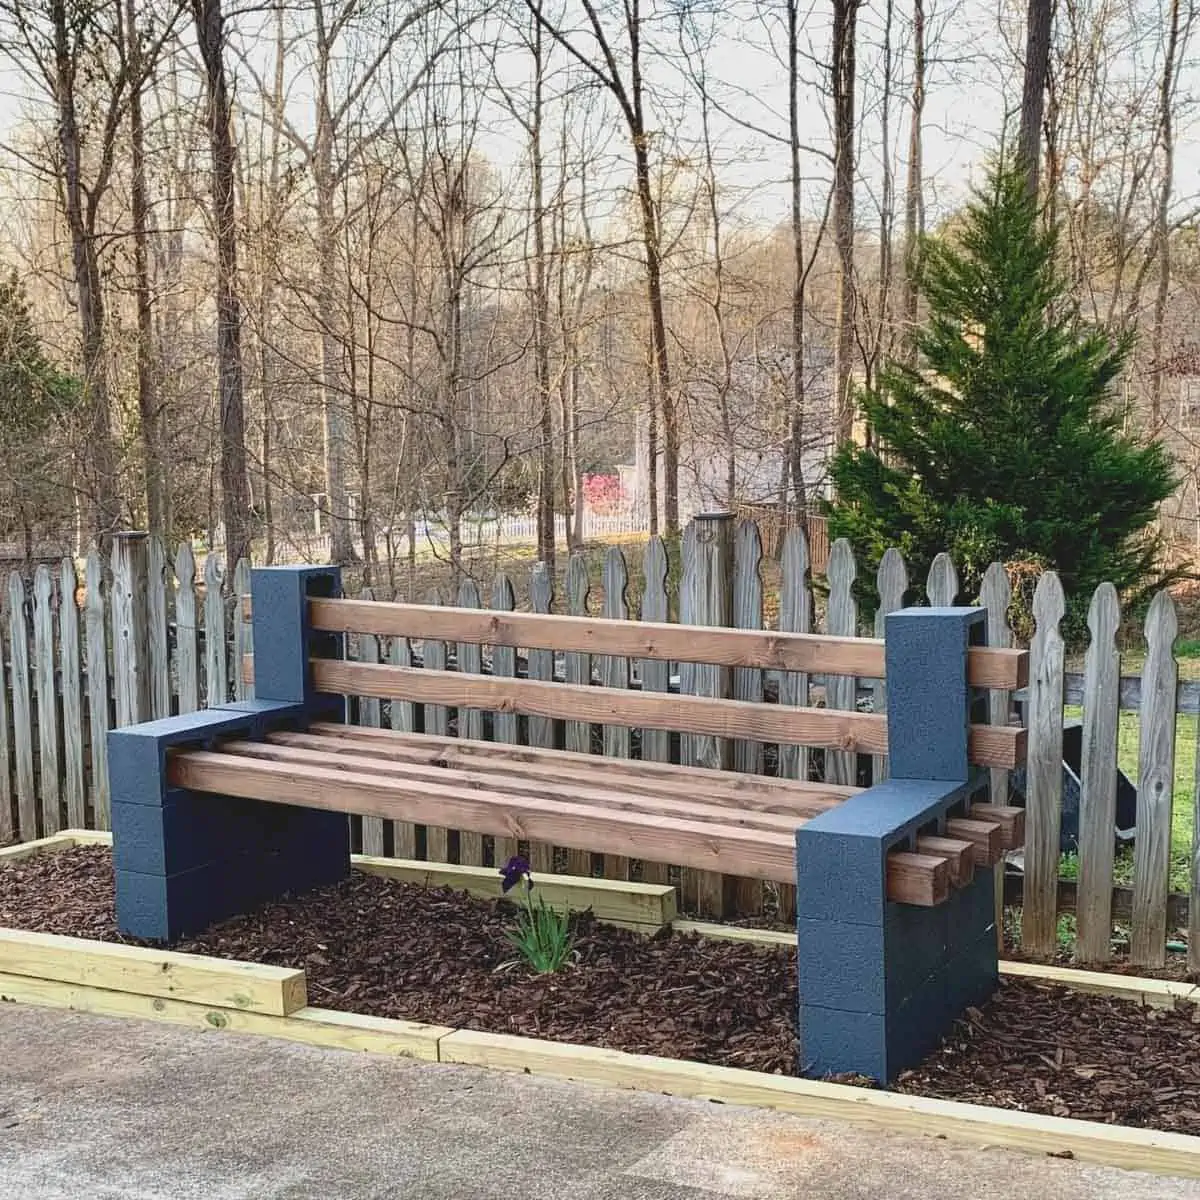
x: 386, y: 948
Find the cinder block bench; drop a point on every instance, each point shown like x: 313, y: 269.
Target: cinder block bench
x: 217, y: 811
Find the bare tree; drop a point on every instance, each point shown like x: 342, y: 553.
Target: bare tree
x: 235, y: 493
x: 842, y: 80
x: 914, y: 190
x: 628, y: 90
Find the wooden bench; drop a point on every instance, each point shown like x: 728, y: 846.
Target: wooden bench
x: 291, y: 750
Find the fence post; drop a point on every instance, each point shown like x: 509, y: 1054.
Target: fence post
x: 131, y: 652
x: 708, y: 600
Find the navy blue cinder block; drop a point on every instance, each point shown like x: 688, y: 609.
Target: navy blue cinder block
x: 187, y: 830
x: 137, y: 754
x: 928, y: 696
x: 284, y: 639
x: 164, y: 908
x: 880, y: 982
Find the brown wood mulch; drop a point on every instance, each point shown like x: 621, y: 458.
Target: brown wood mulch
x: 376, y: 946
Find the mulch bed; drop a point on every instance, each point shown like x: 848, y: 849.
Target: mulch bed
x: 377, y: 946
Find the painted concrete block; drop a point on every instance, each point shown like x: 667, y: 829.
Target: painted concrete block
x: 137, y: 753
x: 869, y: 968
x: 928, y: 697
x: 840, y: 854
x: 164, y: 908
x: 187, y: 830
x: 283, y: 638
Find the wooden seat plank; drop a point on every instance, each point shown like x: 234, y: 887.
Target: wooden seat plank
x: 429, y: 748
x: 543, y: 775
x: 729, y: 848
x: 281, y: 749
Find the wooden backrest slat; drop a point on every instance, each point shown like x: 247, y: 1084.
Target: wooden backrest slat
x: 812, y: 653
x: 865, y: 733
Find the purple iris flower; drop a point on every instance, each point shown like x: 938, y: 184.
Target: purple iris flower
x: 516, y: 869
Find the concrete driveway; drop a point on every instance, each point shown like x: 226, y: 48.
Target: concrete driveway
x: 100, y: 1109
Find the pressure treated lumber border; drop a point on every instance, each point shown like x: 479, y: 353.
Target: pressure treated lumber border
x: 645, y: 907
x: 249, y: 987
x: 833, y: 729
x: 325, y: 1027
x: 1113, y: 1145
x: 809, y: 652
x: 1151, y: 993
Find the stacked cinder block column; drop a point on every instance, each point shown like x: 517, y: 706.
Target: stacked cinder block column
x: 881, y: 982
x: 186, y: 859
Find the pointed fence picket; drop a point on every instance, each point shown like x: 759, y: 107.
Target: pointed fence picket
x: 132, y: 646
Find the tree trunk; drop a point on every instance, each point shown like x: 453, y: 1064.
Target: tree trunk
x: 914, y: 194
x: 333, y: 400
x: 541, y: 322
x: 1039, y: 19
x: 845, y: 20
x: 98, y: 460
x: 661, y: 368
x: 1162, y: 227
x: 235, y: 496
x: 796, y: 427
x: 149, y: 409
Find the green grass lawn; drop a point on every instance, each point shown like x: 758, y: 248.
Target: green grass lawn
x: 1183, y: 800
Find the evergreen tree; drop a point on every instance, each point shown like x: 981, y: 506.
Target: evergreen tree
x: 1002, y: 440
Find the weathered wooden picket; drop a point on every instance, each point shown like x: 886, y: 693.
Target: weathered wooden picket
x: 143, y: 637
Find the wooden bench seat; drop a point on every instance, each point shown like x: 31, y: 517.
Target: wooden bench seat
x: 709, y: 820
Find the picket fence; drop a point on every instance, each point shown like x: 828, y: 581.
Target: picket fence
x: 142, y: 636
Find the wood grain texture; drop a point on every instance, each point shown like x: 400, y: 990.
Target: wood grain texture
x: 1194, y: 876
x: 1156, y: 781
x: 1098, y: 795
x: 97, y: 686
x: 941, y: 585
x: 795, y: 616
x: 614, y: 673
x: 243, y: 630
x: 656, y: 673
x: 960, y: 855
x: 131, y: 651
x: 470, y: 720
x: 357, y: 759
x: 813, y: 653
x: 437, y: 719
x: 187, y: 630
x: 49, y: 765
x: 748, y: 757
x: 402, y: 718
x: 841, y: 620
x: 701, y: 844
x: 577, y: 735
x: 578, y: 666
x: 216, y: 668
x: 860, y: 732
x: 995, y: 594
x: 370, y: 715
x: 986, y: 836
x: 542, y: 728
x: 9, y: 824
x: 1039, y: 916
x: 22, y: 709
x: 1010, y: 818
x: 157, y: 618
x: 505, y: 725
x: 247, y: 987
x: 922, y: 879
x: 745, y: 790
x: 891, y: 582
